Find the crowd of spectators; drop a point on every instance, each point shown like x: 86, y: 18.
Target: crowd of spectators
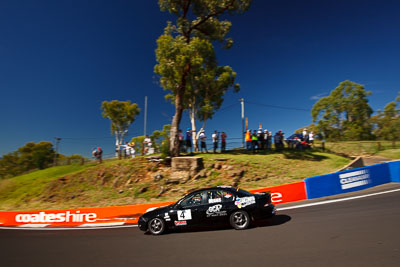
x: 256, y: 140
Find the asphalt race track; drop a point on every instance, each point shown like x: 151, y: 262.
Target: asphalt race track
x: 359, y: 232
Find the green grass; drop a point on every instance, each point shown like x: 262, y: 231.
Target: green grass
x: 390, y: 153
x: 360, y: 148
x: 15, y: 191
x: 281, y: 168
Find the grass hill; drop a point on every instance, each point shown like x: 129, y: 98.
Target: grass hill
x: 132, y: 181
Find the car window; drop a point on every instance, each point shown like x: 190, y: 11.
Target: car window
x: 193, y: 200
x: 227, y: 196
x: 217, y: 196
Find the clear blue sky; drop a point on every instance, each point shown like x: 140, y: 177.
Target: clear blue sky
x: 60, y: 59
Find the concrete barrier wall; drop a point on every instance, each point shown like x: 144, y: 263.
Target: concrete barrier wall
x: 348, y: 181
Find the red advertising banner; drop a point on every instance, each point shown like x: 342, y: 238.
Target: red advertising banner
x: 104, y: 216
x: 285, y: 193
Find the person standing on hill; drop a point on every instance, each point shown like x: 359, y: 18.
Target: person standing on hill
x: 311, y: 138
x: 260, y: 137
x: 254, y: 141
x: 265, y: 139
x: 203, y: 139
x: 98, y: 154
x: 223, y: 141
x: 269, y: 140
x: 247, y: 138
x: 188, y: 140
x: 215, y: 138
x: 180, y: 137
x: 278, y: 140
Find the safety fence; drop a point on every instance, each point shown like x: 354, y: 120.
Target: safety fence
x: 311, y: 188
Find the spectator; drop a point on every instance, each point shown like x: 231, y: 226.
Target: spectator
x: 254, y: 141
x: 94, y: 152
x: 181, y: 143
x: 260, y: 137
x: 131, y: 149
x: 311, y: 138
x: 215, y: 138
x: 265, y: 139
x: 203, y: 139
x: 188, y: 140
x: 98, y: 154
x: 278, y: 140
x: 125, y: 150
x: 305, y: 134
x: 223, y: 141
x: 147, y: 145
x: 269, y: 140
x: 248, y: 139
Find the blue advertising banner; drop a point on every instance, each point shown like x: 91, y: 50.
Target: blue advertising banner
x: 348, y: 181
x: 394, y: 168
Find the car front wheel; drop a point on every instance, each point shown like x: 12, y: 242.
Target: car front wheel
x: 156, y: 226
x: 240, y: 220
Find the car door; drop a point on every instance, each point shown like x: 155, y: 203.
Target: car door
x: 187, y: 211
x: 213, y: 212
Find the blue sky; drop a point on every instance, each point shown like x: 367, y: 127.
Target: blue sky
x: 60, y: 59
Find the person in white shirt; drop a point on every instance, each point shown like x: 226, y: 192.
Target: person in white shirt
x: 203, y: 139
x: 311, y: 137
x: 215, y: 138
x: 147, y: 145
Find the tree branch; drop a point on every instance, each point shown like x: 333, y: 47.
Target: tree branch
x: 196, y: 26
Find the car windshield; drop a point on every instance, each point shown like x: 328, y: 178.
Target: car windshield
x: 192, y: 200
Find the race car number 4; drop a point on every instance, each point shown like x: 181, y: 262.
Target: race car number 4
x: 184, y: 215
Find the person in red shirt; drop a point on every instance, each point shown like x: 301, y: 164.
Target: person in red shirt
x: 223, y: 141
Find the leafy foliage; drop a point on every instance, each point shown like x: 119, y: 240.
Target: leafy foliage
x: 186, y: 57
x: 345, y: 113
x: 122, y: 114
x: 388, y: 122
x: 159, y: 137
x: 28, y: 157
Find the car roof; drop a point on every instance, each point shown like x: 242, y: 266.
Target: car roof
x: 229, y: 188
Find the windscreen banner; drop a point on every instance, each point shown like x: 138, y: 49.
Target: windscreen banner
x: 347, y: 181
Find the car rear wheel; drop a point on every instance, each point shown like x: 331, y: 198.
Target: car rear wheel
x: 240, y: 220
x: 156, y: 226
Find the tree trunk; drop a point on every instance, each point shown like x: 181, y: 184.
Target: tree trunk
x: 194, y: 130
x: 116, y: 144
x: 176, y: 120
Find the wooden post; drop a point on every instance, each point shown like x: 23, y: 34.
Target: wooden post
x: 379, y: 146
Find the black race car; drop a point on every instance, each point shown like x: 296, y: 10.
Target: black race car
x: 210, y: 206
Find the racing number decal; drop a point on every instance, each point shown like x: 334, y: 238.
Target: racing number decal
x: 184, y: 215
